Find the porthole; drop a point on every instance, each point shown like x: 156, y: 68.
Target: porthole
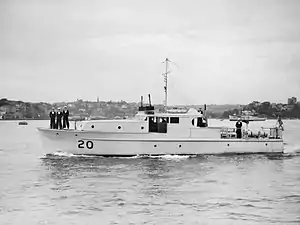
x: 119, y: 127
x: 228, y: 145
x: 92, y: 126
x: 179, y: 146
x: 155, y: 146
x: 266, y: 144
x: 57, y: 133
x: 142, y: 127
x: 76, y: 135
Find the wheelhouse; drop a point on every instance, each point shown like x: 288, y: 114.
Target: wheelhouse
x: 162, y: 123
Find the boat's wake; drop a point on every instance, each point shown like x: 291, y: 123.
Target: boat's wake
x: 292, y: 149
x: 172, y: 157
x: 289, y: 150
x: 61, y: 155
x: 57, y: 155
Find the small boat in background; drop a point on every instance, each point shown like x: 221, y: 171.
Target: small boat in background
x: 23, y: 123
x: 246, y: 116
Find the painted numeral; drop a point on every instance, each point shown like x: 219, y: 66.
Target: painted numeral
x: 88, y: 144
x: 80, y: 144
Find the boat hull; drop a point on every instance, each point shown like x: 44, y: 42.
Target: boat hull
x: 103, y: 144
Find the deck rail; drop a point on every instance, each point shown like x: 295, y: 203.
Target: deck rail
x: 273, y: 133
x: 228, y: 132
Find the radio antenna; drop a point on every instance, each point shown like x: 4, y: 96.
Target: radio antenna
x: 167, y: 61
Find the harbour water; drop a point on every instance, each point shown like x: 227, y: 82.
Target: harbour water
x: 65, y: 189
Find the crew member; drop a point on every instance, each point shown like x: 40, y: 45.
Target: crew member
x: 52, y: 116
x: 238, y: 126
x: 279, y: 127
x: 279, y: 123
x: 58, y: 119
x: 66, y: 118
x: 200, y: 111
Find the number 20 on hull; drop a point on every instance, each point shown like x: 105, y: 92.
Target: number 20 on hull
x: 85, y: 144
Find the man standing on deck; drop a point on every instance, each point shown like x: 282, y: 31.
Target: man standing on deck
x: 58, y: 119
x: 279, y: 123
x: 52, y: 116
x: 279, y: 127
x: 66, y: 118
x: 238, y: 126
x: 200, y: 111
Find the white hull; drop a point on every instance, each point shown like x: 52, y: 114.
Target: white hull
x: 114, y: 144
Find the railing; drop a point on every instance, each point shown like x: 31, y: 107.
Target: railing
x: 230, y: 133
x: 227, y: 132
x: 274, y: 133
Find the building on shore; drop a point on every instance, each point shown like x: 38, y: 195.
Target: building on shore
x: 292, y: 101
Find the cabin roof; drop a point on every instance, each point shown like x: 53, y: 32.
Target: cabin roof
x: 113, y: 121
x: 176, y: 115
x: 179, y: 113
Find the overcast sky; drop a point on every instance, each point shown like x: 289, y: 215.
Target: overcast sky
x: 224, y: 51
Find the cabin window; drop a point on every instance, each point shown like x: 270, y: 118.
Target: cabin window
x: 152, y: 124
x: 164, y: 119
x: 174, y: 119
x: 158, y: 124
x: 199, y: 122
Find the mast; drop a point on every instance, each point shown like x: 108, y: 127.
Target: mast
x: 166, y: 81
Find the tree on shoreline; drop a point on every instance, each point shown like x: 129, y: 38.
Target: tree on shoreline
x: 269, y: 110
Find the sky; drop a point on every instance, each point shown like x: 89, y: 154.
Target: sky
x: 222, y: 51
